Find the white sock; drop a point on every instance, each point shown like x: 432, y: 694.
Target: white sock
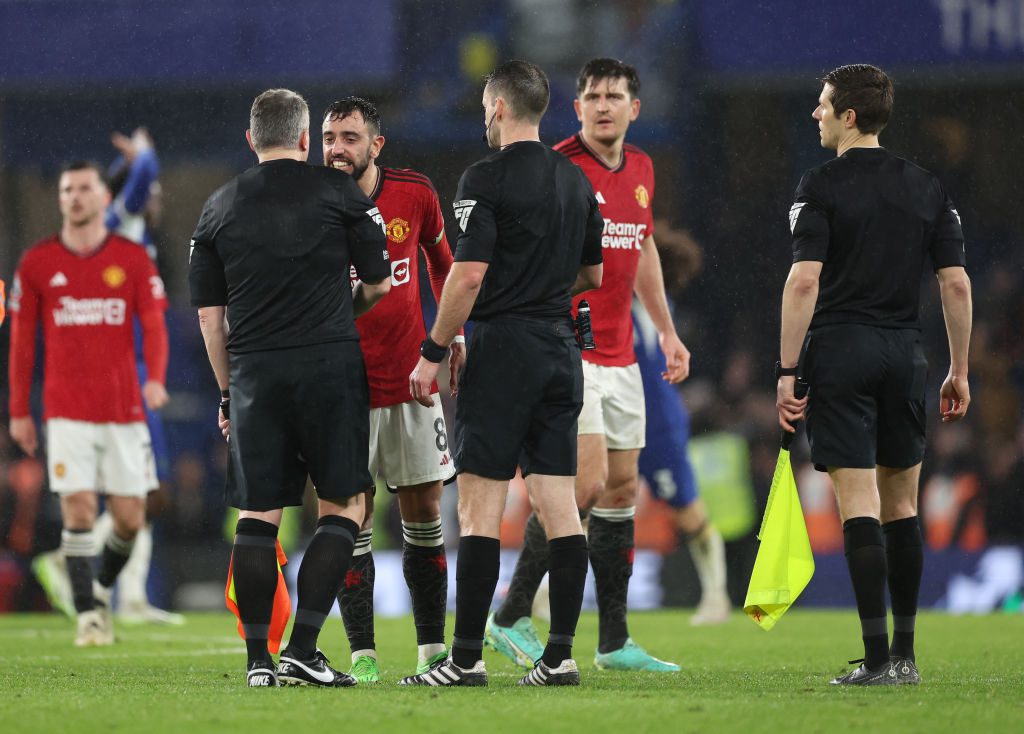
x: 708, y: 552
x: 131, y: 582
x: 368, y: 652
x: 425, y: 652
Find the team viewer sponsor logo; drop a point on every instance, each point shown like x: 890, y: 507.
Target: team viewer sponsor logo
x: 462, y: 211
x: 90, y: 311
x: 623, y: 235
x: 400, y: 271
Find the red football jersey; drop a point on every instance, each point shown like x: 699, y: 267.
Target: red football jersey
x: 624, y: 194
x: 391, y: 331
x: 86, y: 305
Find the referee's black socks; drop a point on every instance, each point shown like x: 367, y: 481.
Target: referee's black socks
x: 324, y: 565
x: 530, y: 570
x: 568, y: 575
x: 905, y: 556
x: 476, y: 576
x: 254, y: 569
x: 865, y: 557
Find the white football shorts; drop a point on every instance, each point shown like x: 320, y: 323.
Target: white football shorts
x: 112, y: 458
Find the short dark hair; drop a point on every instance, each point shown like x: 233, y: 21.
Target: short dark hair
x: 597, y: 69
x: 347, y: 105
x: 866, y: 90
x: 277, y: 119
x: 524, y: 86
x: 84, y: 165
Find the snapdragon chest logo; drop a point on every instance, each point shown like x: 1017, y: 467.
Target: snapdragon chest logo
x: 642, y: 197
x: 114, y: 276
x: 398, y: 230
x: 400, y: 271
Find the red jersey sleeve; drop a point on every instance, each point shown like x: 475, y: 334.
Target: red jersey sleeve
x: 435, y: 247
x: 24, y: 306
x: 150, y: 304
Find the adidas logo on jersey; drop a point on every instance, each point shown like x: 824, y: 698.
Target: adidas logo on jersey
x: 59, y: 280
x: 462, y: 211
x: 600, y: 199
x: 445, y: 460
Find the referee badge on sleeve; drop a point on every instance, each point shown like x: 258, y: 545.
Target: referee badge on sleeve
x: 463, y: 209
x: 794, y: 214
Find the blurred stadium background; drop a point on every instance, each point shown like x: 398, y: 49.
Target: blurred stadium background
x: 728, y: 89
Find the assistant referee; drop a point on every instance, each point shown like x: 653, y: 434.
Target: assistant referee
x: 863, y: 225
x: 530, y: 237
x: 273, y: 249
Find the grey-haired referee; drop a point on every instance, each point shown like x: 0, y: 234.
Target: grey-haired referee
x: 272, y: 249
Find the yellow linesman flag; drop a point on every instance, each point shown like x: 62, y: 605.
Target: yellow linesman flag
x: 784, y: 562
x: 281, y: 611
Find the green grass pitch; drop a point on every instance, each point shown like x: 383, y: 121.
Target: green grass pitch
x: 736, y: 678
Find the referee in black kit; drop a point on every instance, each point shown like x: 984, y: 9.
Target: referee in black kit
x: 274, y: 246
x: 530, y: 238
x: 862, y: 227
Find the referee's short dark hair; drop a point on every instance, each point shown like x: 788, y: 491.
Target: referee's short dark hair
x: 866, y: 90
x: 524, y: 86
x: 344, y: 107
x: 597, y: 69
x: 277, y: 119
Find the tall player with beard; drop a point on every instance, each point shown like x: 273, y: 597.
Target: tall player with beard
x: 84, y: 286
x: 612, y: 424
x: 408, y: 442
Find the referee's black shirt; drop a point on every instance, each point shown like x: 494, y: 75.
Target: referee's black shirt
x: 871, y: 218
x: 275, y: 244
x: 531, y: 214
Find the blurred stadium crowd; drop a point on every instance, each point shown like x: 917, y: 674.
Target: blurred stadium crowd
x: 729, y: 135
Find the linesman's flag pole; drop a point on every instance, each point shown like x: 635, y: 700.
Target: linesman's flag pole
x: 784, y: 563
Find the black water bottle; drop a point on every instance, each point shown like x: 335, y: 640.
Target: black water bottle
x: 584, y: 332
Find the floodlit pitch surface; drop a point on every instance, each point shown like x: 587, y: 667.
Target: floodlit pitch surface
x: 736, y: 678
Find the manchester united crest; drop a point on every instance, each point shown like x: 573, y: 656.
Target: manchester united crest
x: 114, y: 276
x: 642, y: 197
x: 60, y: 470
x: 398, y: 230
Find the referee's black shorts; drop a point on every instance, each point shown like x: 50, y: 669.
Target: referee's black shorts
x: 519, y: 398
x: 298, y: 412
x: 866, y: 399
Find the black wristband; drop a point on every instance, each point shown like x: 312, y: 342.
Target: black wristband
x: 432, y: 351
x: 781, y: 371
x: 225, y: 393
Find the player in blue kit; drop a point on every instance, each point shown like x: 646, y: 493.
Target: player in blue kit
x: 665, y: 466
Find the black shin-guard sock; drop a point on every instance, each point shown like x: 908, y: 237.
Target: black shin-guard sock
x: 355, y: 599
x: 425, y: 568
x: 611, y: 555
x: 865, y: 557
x: 529, y: 572
x: 77, y: 546
x: 254, y: 570
x: 476, y: 577
x: 116, y: 552
x: 568, y: 575
x: 905, y: 556
x: 324, y: 565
